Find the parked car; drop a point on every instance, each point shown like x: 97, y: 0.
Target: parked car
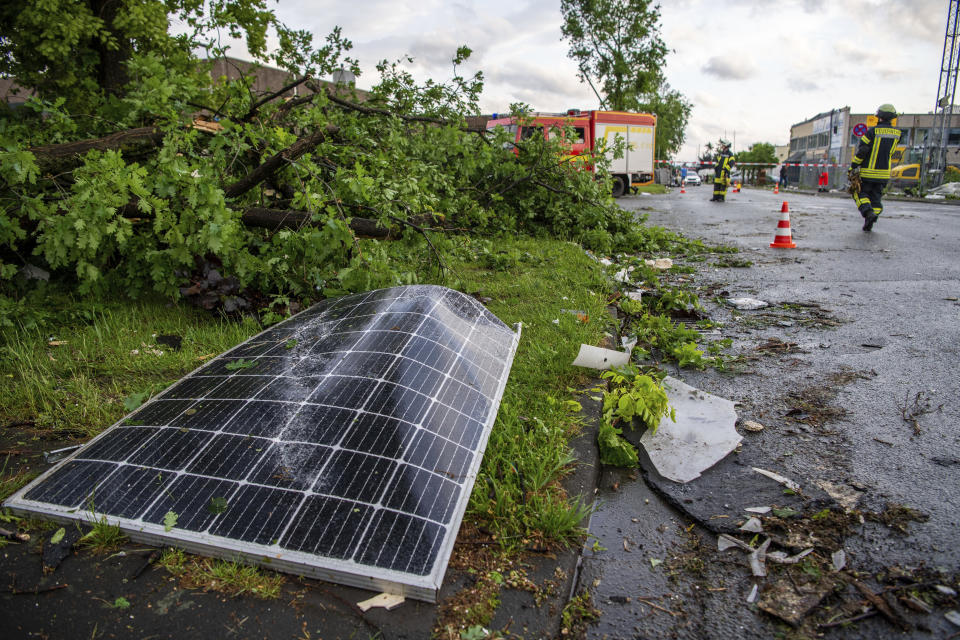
x: 693, y: 180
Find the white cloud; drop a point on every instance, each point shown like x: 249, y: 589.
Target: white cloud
x: 729, y: 68
x: 750, y: 66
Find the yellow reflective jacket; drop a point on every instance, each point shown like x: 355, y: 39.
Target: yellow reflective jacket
x: 875, y: 151
x: 725, y: 162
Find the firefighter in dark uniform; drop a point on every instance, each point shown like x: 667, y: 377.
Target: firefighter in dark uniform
x: 870, y: 168
x: 721, y: 175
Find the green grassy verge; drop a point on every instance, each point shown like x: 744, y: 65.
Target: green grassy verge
x: 71, y: 379
x: 559, y: 295
x: 652, y: 188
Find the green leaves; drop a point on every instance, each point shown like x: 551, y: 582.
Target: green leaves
x: 614, y: 450
x: 634, y: 395
x: 169, y: 520
x: 134, y: 400
x: 217, y: 505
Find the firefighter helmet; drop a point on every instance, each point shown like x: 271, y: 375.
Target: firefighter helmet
x: 886, y: 111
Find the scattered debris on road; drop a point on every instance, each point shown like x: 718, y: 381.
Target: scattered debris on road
x: 747, y: 304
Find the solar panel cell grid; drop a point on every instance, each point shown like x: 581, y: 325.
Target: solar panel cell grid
x: 345, y: 439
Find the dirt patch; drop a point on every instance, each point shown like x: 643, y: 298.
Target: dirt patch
x: 897, y: 517
x: 487, y: 570
x: 815, y: 404
x: 789, y: 314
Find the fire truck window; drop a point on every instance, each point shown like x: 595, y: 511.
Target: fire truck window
x: 529, y: 132
x: 578, y: 135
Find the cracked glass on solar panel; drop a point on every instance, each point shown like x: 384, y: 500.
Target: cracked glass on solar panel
x: 342, y: 443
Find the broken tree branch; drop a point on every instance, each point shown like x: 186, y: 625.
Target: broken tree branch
x: 270, y: 166
x: 276, y: 94
x: 276, y: 219
x: 359, y: 108
x: 49, y: 155
x: 881, y: 605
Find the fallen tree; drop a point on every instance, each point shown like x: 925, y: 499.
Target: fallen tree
x: 282, y: 194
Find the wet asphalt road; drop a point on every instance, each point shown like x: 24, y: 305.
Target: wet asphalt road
x: 893, y: 294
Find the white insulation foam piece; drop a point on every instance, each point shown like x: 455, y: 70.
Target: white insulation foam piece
x: 600, y: 358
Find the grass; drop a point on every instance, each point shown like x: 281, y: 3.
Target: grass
x: 71, y: 380
x: 517, y: 495
x: 652, y: 188
x: 102, y: 537
x: 11, y: 481
x: 223, y: 576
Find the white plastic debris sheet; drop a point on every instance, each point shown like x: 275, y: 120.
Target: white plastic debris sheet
x: 702, y: 435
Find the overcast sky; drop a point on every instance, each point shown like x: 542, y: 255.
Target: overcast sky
x: 751, y: 68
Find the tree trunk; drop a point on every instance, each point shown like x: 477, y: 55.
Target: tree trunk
x: 111, y: 69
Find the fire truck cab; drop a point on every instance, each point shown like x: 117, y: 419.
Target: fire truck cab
x: 590, y: 128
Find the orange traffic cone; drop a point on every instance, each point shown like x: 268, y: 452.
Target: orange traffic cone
x: 783, y: 239
x: 776, y: 188
x: 783, y: 208
x: 682, y: 190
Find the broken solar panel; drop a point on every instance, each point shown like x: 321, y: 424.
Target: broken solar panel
x: 341, y: 444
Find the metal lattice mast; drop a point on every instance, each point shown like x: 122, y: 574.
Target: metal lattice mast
x: 946, y: 89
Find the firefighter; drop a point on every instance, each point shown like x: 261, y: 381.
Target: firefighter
x: 870, y: 168
x: 721, y: 176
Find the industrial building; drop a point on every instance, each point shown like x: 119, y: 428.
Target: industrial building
x: 828, y: 138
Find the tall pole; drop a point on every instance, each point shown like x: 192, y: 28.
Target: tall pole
x: 946, y: 90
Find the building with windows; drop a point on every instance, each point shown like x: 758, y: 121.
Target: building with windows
x: 829, y: 138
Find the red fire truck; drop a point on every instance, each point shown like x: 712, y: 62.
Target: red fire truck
x: 637, y: 130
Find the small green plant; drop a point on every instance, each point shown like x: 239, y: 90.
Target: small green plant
x: 121, y: 603
x: 635, y: 395
x: 103, y: 537
x: 577, y: 613
x: 173, y: 560
x: 614, y: 450
x: 687, y: 355
x: 290, y: 344
x: 632, y: 395
x: 632, y: 307
x: 169, y: 520
x: 672, y: 299
x: 811, y: 569
x: 476, y: 632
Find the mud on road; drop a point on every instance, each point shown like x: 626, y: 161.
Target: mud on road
x: 850, y: 371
